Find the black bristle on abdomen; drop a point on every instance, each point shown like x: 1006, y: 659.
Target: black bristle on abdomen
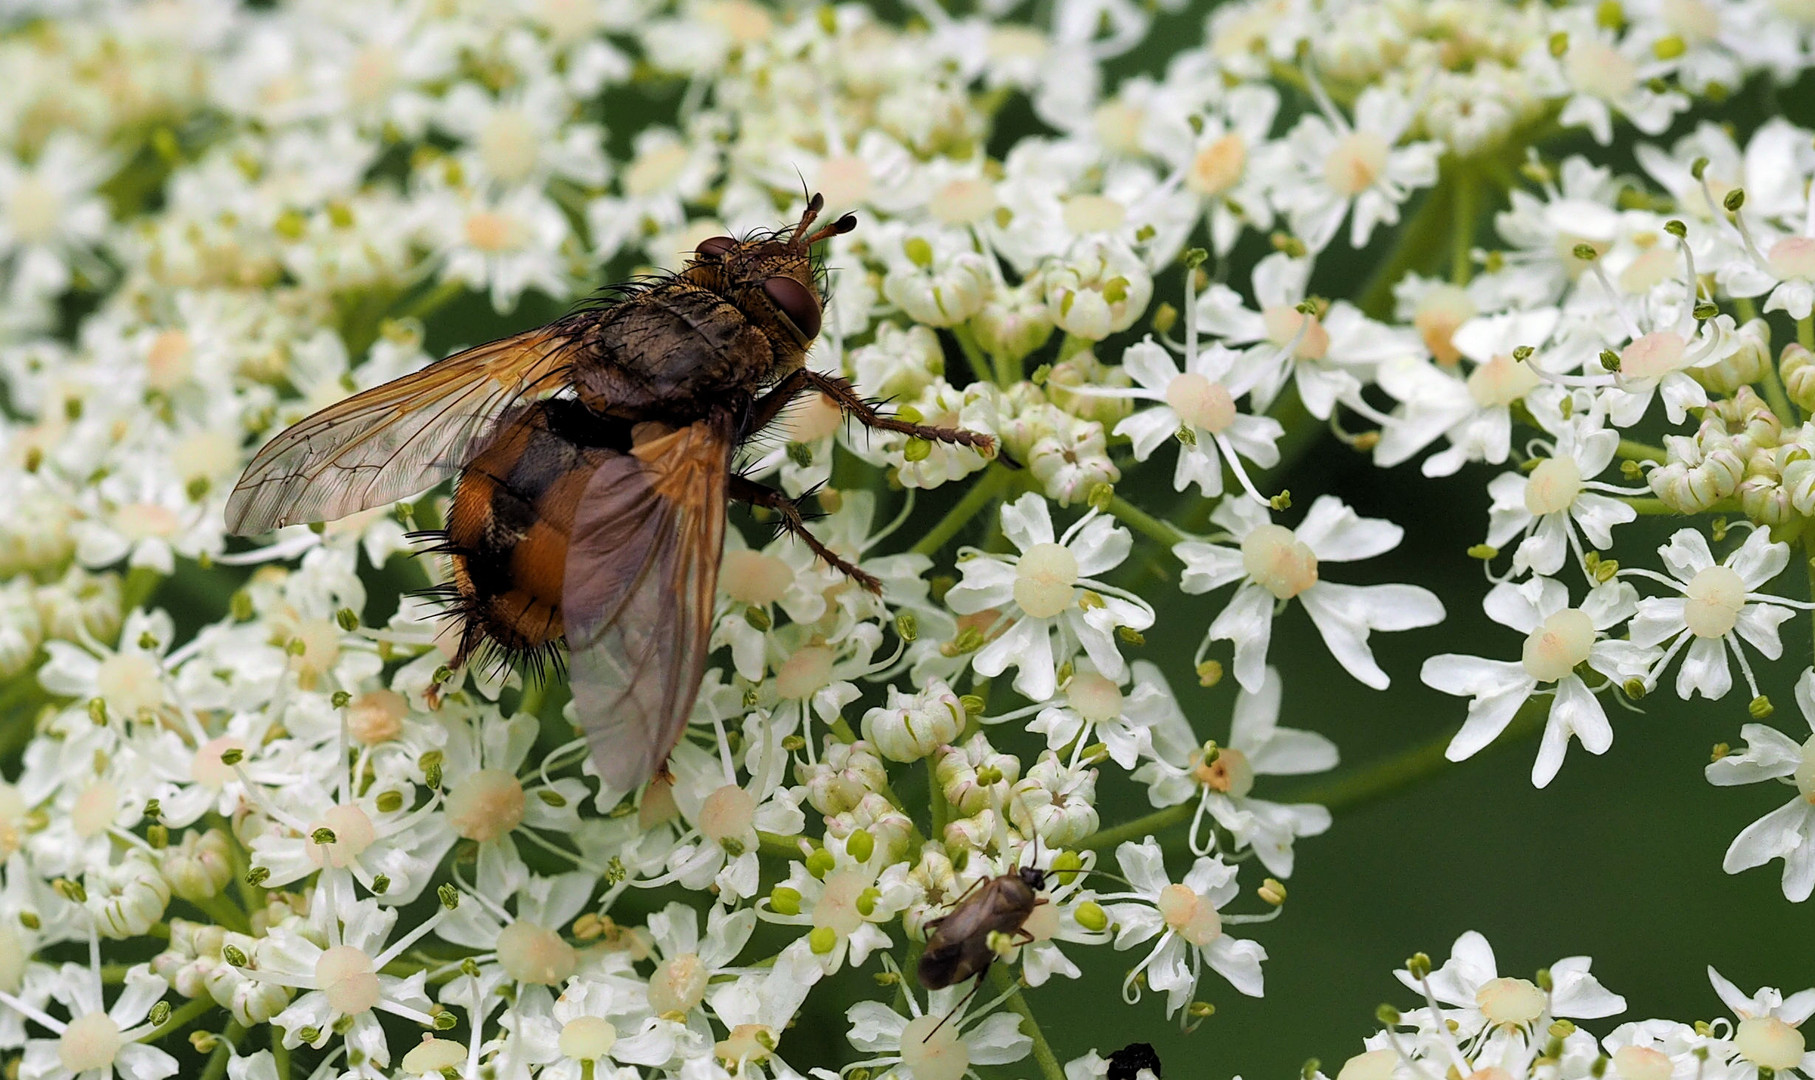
x: 478, y: 646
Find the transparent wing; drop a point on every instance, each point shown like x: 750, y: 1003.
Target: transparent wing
x: 638, y: 596
x: 397, y: 439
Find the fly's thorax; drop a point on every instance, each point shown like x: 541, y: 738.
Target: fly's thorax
x: 674, y: 351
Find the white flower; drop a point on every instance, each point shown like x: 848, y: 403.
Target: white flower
x: 501, y: 245
x: 1720, y: 605
x: 1273, y: 564
x: 941, y: 1043
x: 1543, y: 507
x: 1187, y: 919
x: 1198, y: 408
x: 1558, y: 639
x: 1047, y: 599
x: 1787, y: 833
x: 1481, y: 999
x: 1342, y: 163
x: 911, y: 726
x: 1257, y: 746
x: 1767, y: 1035
x: 51, y: 219
x: 1099, y: 288
x: 1096, y: 705
x: 96, y: 1041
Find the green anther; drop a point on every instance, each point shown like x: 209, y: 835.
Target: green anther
x: 1484, y: 552
x: 1610, y: 360
x: 918, y: 251
x: 1522, y: 353
x: 916, y: 449
x: 1165, y: 317
x: 1544, y: 981
x: 860, y: 845
x: 1040, y: 375
x: 1599, y: 1068
x: 1562, y: 1029
x: 1116, y: 290
x: 258, y: 875
x: 469, y: 967
x: 551, y: 797
x: 828, y: 19
x: 972, y: 704
x: 1194, y: 258
x: 197, y: 489
x: 616, y: 872
x: 1200, y: 1010
x: 381, y: 884
x: 158, y: 836
x: 1760, y: 707
x: 1209, y: 673
x: 784, y: 901
x: 1676, y: 228
x: 445, y: 1021
x: 1066, y: 866
x: 148, y: 641
x: 732, y: 846
x: 1290, y: 246
x: 309, y: 1033
x: 348, y: 619
x: 1101, y: 495
x: 1281, y: 501
x: 1585, y: 252
x: 232, y: 756
x: 290, y: 225
x: 1634, y: 688
x: 907, y: 627
x: 988, y: 775
x: 1734, y: 200
x: 30, y: 920
x: 441, y: 674
x: 340, y: 215
x: 969, y: 640
x: 1310, y: 1069
x: 821, y: 862
x: 233, y: 956
x: 750, y: 697
x: 1559, y: 43
x: 1305, y: 307
x: 1605, y: 570
x: 340, y: 699
x: 822, y: 940
x: 97, y: 712
x: 1718, y: 751
x: 389, y: 802
x: 322, y: 836
x: 239, y: 605
x: 793, y: 743
x: 449, y: 896
x: 296, y: 647
x: 431, y: 776
x: 866, y: 900
x: 1698, y: 167
x: 1669, y: 47
x: 1705, y: 310
x: 1418, y: 965
x: 1386, y: 1014
x: 70, y: 889
x: 886, y: 978
x: 1186, y: 435
x: 758, y: 619
x: 800, y: 454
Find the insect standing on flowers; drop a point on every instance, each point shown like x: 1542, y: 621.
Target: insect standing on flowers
x: 595, y: 461
x: 958, y: 942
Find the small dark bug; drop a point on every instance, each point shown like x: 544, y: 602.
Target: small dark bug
x: 1130, y: 1061
x: 957, y: 945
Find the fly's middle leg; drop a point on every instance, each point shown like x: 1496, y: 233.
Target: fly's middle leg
x: 787, y: 512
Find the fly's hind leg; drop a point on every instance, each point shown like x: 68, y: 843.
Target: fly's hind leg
x: 787, y: 511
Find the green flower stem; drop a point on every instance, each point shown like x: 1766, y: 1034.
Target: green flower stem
x: 1632, y: 450
x: 1465, y: 209
x: 1417, y: 238
x: 223, y: 1050
x: 940, y: 810
x: 983, y: 367
x: 534, y: 691
x: 1376, y: 780
x: 778, y: 846
x: 982, y: 491
x: 1808, y: 540
x: 1805, y: 333
x: 1775, y: 396
x: 280, y: 1055
x: 224, y: 913
x: 1142, y: 522
x: 180, y: 1018
x: 1648, y: 507
x: 141, y: 582
x: 1050, y: 1069
x: 426, y: 304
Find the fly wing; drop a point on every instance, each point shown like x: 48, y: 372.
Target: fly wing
x: 396, y: 439
x: 638, y: 597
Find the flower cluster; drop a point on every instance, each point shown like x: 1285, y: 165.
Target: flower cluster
x: 248, y: 774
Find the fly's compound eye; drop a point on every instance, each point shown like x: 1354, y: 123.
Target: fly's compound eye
x: 792, y: 299
x: 716, y: 247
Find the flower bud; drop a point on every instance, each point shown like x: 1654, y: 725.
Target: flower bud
x: 1056, y: 803
x: 899, y: 363
x: 1098, y: 290
x: 1698, y: 472
x: 875, y: 817
x: 956, y: 769
x: 911, y: 726
x: 21, y: 628
x: 1762, y: 495
x: 128, y: 898
x: 1082, y: 368
x: 1072, y: 460
x: 200, y: 866
x: 843, y: 776
x: 1744, y: 365
x: 1797, y: 367
x: 1013, y: 322
x: 946, y: 291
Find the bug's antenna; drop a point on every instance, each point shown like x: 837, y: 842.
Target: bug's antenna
x: 976, y: 985
x: 814, y: 206
x: 838, y: 228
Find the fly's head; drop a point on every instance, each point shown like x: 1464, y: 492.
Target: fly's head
x: 770, y: 277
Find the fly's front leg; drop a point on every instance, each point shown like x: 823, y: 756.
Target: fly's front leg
x: 841, y: 391
x: 745, y: 490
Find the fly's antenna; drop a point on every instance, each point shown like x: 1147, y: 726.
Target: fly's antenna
x: 802, y: 239
x: 814, y: 206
